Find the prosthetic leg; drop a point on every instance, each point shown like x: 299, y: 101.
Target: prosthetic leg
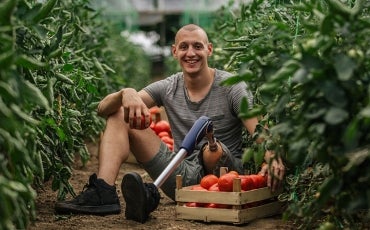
x: 143, y: 198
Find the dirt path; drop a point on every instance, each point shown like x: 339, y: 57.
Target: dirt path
x: 162, y: 218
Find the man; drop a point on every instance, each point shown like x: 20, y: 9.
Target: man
x: 186, y: 96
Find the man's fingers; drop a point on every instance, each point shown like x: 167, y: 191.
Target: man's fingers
x: 126, y: 115
x: 275, y: 175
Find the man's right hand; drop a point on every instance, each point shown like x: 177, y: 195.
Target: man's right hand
x: 136, y: 112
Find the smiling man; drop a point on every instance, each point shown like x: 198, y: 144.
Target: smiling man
x: 194, y: 92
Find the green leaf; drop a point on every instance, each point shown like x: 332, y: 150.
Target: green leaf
x: 326, y: 26
x: 351, y: 134
x: 67, y: 67
x: 30, y: 63
x: 16, y: 186
x: 344, y: 66
x: 300, y: 76
x: 335, y: 115
x: 315, y: 113
x: 44, y: 11
x: 32, y: 93
x: 246, y: 77
x: 64, y: 78
x: 246, y: 113
x: 334, y: 94
x: 247, y: 155
x: 6, y: 58
x: 6, y: 10
x: 61, y: 134
x: 330, y: 187
x: 365, y: 112
x: 19, y: 112
x: 356, y: 158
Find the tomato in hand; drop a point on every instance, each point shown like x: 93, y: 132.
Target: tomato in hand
x: 142, y: 124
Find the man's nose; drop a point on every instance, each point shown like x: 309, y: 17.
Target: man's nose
x: 191, y: 51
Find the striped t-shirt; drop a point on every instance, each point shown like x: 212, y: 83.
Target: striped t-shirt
x: 221, y: 105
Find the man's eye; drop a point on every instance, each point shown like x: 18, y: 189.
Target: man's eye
x: 198, y: 47
x: 182, y: 47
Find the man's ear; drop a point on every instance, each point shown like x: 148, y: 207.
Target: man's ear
x: 210, y: 49
x: 173, y: 49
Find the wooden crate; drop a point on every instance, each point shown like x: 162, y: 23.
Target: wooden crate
x: 238, y: 199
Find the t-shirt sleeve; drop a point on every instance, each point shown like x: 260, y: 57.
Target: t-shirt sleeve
x: 158, y: 90
x: 239, y: 92
x: 154, y: 90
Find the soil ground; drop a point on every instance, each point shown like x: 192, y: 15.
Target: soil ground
x: 162, y: 218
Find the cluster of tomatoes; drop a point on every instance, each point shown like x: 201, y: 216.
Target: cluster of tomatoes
x: 224, y: 183
x: 161, y: 128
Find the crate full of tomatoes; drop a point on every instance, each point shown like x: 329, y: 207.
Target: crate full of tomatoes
x: 231, y: 198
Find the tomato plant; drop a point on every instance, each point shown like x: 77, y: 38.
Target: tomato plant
x: 307, y: 63
x: 58, y: 60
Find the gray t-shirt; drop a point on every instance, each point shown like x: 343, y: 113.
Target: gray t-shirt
x: 221, y: 105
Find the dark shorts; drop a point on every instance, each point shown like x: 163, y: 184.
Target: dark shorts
x: 191, y: 168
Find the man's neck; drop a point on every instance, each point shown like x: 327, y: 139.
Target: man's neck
x: 200, y: 80
x: 199, y: 85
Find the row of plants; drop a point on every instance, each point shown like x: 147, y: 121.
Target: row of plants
x: 308, y: 64
x: 58, y: 59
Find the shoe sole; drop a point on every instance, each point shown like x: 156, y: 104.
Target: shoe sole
x: 62, y: 208
x: 135, y: 195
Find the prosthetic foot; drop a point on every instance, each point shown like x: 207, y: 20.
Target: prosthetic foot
x: 141, y: 198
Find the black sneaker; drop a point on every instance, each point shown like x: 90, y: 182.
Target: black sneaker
x: 141, y: 198
x: 97, y: 198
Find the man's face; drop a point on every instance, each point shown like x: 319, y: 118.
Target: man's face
x: 192, y: 50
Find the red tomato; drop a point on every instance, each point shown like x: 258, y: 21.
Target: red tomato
x: 162, y: 126
x: 234, y: 172
x: 246, y: 182
x: 208, y: 180
x: 259, y: 181
x: 213, y: 205
x: 214, y: 188
x: 194, y: 204
x: 225, y: 182
x: 210, y: 205
x: 154, y: 110
x: 167, y: 140
x: 170, y: 146
x: 142, y: 123
x: 162, y: 134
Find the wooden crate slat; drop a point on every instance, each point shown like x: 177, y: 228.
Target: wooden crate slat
x: 208, y: 197
x: 207, y: 214
x: 232, y: 198
x: 228, y: 215
x: 257, y: 194
x: 266, y: 210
